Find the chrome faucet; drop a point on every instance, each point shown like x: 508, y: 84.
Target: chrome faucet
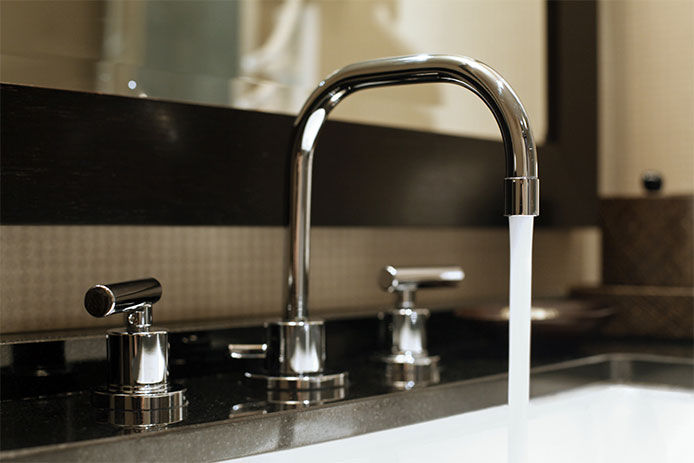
x: 520, y: 182
x: 298, y: 351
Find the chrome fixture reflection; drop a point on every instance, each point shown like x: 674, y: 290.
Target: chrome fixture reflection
x: 296, y: 346
x: 408, y: 363
x: 288, y: 399
x: 138, y: 393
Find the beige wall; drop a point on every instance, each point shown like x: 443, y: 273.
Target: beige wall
x: 646, y: 85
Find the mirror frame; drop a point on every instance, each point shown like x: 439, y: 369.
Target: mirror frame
x: 83, y: 158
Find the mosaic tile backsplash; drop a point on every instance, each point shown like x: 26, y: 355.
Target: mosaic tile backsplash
x: 223, y: 272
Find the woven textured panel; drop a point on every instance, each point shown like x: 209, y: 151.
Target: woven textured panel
x: 648, y: 241
x: 222, y: 272
x: 661, y: 312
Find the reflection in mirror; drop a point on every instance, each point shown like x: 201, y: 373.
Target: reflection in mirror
x: 269, y: 55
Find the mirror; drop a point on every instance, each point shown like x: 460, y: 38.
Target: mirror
x: 269, y: 55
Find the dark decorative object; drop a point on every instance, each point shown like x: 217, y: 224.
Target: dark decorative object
x: 648, y: 241
x: 652, y: 311
x: 648, y: 261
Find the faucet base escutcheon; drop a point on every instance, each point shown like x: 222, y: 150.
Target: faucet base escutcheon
x: 407, y: 371
x: 294, y: 370
x: 141, y: 410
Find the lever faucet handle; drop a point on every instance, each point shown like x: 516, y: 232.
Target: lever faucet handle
x: 129, y: 297
x: 408, y: 363
x: 405, y: 281
x: 248, y: 351
x: 396, y: 279
x: 138, y: 393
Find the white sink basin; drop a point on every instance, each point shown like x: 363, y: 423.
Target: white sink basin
x: 601, y: 423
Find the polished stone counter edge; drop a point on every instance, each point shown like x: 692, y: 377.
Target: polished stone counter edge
x: 250, y: 435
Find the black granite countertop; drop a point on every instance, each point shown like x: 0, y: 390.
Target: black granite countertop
x: 46, y: 396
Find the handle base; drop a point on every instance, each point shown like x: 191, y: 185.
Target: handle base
x: 307, y: 389
x: 141, y: 411
x: 294, y: 371
x: 405, y: 372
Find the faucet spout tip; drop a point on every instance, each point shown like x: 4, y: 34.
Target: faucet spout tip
x: 522, y: 196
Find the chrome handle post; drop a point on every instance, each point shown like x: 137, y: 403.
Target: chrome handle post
x: 125, y: 297
x: 138, y: 393
x: 408, y: 363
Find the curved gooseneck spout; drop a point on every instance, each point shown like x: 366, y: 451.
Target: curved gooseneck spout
x: 520, y: 182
